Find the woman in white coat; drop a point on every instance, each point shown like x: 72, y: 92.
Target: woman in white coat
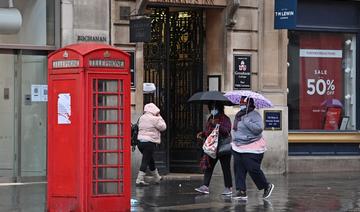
x: 151, y: 124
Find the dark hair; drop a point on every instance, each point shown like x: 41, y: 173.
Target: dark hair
x: 218, y: 105
x: 251, y: 102
x: 251, y: 106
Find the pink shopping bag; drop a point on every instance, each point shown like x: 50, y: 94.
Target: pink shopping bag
x: 211, y: 142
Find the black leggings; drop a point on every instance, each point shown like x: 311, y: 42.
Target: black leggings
x: 249, y: 163
x: 147, y: 150
x: 225, y: 166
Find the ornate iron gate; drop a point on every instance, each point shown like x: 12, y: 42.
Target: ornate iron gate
x: 173, y: 61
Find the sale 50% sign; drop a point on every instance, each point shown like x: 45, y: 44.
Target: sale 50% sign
x: 321, y: 87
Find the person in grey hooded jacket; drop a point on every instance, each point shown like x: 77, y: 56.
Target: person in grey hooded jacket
x: 248, y: 149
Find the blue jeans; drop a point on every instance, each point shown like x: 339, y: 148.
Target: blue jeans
x: 249, y: 163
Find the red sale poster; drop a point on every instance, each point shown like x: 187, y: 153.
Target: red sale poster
x: 332, y: 119
x: 320, y: 76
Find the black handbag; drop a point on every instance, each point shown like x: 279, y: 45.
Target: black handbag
x: 224, y: 147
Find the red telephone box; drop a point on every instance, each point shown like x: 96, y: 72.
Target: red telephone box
x: 88, y: 129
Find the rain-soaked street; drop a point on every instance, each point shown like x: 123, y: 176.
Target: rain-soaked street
x: 293, y: 192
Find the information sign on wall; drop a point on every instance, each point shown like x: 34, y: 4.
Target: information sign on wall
x: 39, y: 93
x: 272, y: 120
x: 242, y: 72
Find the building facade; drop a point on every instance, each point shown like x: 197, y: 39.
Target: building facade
x: 315, y: 94
x: 195, y: 46
x: 308, y: 72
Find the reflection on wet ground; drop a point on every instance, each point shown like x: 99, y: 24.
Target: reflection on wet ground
x: 293, y: 192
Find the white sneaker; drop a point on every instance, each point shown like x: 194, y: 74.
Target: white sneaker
x: 227, y: 191
x: 203, y: 189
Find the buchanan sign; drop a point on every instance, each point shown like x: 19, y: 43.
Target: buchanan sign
x: 221, y: 3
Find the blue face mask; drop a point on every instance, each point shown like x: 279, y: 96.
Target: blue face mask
x: 214, y: 112
x: 242, y: 107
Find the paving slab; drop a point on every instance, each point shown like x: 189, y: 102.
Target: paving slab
x: 333, y: 191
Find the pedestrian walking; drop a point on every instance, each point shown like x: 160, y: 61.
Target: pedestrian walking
x: 217, y: 116
x: 248, y: 149
x: 151, y: 124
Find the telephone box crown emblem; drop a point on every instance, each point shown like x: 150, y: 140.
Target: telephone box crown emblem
x: 66, y: 54
x: 106, y: 54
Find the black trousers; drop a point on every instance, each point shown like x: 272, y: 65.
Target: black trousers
x: 225, y: 166
x: 147, y: 150
x: 249, y: 163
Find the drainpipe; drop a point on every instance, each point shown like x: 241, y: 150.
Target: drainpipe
x: 231, y: 9
x: 10, y: 19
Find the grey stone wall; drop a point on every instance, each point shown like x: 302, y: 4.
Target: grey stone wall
x: 85, y: 21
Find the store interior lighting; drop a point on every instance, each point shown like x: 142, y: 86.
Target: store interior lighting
x: 10, y: 19
x: 347, y: 70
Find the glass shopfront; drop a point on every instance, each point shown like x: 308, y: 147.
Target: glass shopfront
x: 23, y: 88
x: 37, y: 27
x: 323, y: 76
x: 322, y: 81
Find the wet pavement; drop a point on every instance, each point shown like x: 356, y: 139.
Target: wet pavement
x: 293, y: 192
x: 337, y: 191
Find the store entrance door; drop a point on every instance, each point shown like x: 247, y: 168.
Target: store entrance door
x: 23, y: 115
x: 7, y: 111
x: 173, y: 60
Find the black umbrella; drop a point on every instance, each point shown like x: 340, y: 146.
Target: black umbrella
x: 206, y: 97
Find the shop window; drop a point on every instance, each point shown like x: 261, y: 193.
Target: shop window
x: 124, y: 13
x: 321, y: 81
x: 28, y: 22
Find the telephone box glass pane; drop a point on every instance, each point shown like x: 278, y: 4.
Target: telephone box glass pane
x: 108, y: 188
x: 106, y: 144
x: 107, y: 122
x: 121, y: 141
x: 121, y: 187
x: 121, y: 161
x: 108, y: 129
x: 108, y: 86
x: 107, y: 100
x: 121, y: 173
x: 94, y: 101
x: 120, y: 86
x: 106, y: 115
x: 94, y: 129
x: 107, y: 158
x: 121, y: 115
x: 94, y: 173
x: 121, y: 128
x: 108, y: 173
x: 121, y: 101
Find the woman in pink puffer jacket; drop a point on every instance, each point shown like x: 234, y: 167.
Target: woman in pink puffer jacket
x: 150, y: 125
